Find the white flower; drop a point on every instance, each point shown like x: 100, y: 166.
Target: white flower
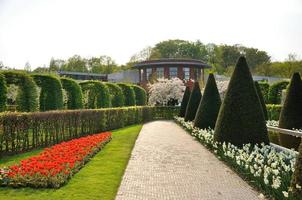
x: 285, y: 194
x: 298, y: 186
x: 261, y: 196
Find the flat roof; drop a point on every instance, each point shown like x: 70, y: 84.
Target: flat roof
x: 81, y: 73
x: 172, y: 61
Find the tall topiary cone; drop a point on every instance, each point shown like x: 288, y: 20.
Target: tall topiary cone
x: 208, y: 108
x: 193, y: 102
x: 240, y: 119
x: 297, y: 176
x: 184, y: 102
x: 291, y: 113
x: 261, y: 99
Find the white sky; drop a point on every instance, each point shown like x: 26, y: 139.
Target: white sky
x: 36, y: 30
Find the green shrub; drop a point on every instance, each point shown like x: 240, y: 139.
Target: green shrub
x: 297, y: 176
x: 74, y: 93
x: 184, y: 102
x: 129, y: 94
x: 51, y: 95
x: 275, y: 92
x: 273, y: 111
x: 259, y: 93
x: 27, y: 98
x: 264, y: 88
x: 240, y: 120
x: 117, y: 98
x: 291, y: 113
x: 3, y: 93
x: 193, y: 103
x: 98, y: 94
x: 208, y: 108
x: 140, y: 95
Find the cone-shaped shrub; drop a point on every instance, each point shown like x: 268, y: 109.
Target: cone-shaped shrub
x: 291, y: 113
x: 261, y: 99
x: 208, y: 108
x: 297, y: 176
x: 193, y: 102
x: 184, y: 102
x: 240, y: 119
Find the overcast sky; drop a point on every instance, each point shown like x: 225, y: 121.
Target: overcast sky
x: 36, y: 30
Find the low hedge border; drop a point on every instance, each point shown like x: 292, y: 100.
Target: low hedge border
x: 273, y: 111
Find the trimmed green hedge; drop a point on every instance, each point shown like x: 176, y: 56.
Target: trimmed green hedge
x: 184, y: 102
x: 98, y: 94
x: 273, y: 111
x: 25, y: 131
x: 3, y: 93
x: 193, y: 102
x: 117, y: 98
x: 264, y: 87
x: 74, y: 93
x: 140, y: 95
x: 51, y: 95
x: 275, y: 92
x: 129, y: 94
x: 27, y: 98
x: 261, y: 99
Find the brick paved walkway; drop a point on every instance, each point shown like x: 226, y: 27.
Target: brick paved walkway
x: 166, y: 163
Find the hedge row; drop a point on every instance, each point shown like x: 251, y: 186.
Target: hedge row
x: 273, y: 111
x: 21, y: 132
x: 272, y: 93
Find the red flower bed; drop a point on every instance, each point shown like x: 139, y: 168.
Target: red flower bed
x: 54, y: 166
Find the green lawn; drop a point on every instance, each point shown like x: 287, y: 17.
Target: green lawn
x: 99, y: 179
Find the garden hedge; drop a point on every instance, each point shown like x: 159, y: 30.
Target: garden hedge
x: 51, y: 95
x: 291, y: 113
x: 208, y: 108
x: 184, y: 102
x: 264, y: 88
x: 25, y: 131
x: 297, y: 176
x: 275, y: 92
x: 140, y: 95
x: 117, y: 98
x: 261, y: 99
x: 98, y: 94
x: 74, y: 93
x: 193, y: 103
x: 129, y: 94
x: 273, y: 111
x: 27, y: 98
x: 3, y: 93
x: 240, y: 120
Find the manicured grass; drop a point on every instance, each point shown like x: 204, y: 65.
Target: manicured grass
x: 99, y: 179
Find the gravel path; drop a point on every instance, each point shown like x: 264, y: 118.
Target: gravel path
x: 167, y: 163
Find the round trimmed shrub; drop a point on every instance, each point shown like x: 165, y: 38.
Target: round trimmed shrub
x: 297, y: 176
x: 208, y: 108
x: 240, y: 119
x: 259, y: 93
x: 27, y: 98
x: 184, y: 102
x: 275, y: 92
x: 51, y: 95
x: 74, y: 93
x: 291, y: 112
x: 140, y: 95
x: 129, y: 94
x: 3, y: 93
x: 117, y: 98
x: 98, y: 94
x: 193, y: 103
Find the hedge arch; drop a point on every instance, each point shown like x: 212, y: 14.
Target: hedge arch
x: 3, y: 93
x: 74, y: 93
x: 117, y: 98
x: 129, y: 94
x: 51, y: 95
x: 98, y: 94
x: 27, y: 99
x: 275, y: 92
x: 140, y: 95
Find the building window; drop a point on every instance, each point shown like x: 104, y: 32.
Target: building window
x: 186, y: 73
x: 172, y: 72
x: 160, y: 72
x: 142, y: 74
x: 149, y: 73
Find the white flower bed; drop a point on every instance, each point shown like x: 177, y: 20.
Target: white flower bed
x: 262, y: 165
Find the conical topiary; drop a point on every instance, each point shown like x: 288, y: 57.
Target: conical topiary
x: 184, y: 102
x: 291, y: 113
x: 296, y: 183
x: 261, y: 99
x: 240, y: 119
x: 208, y: 108
x: 193, y: 102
